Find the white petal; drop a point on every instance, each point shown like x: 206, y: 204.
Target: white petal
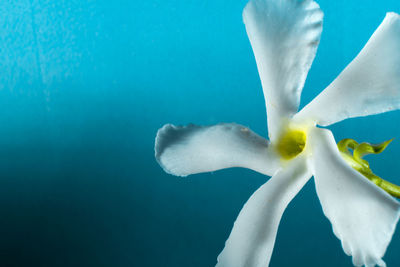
x: 370, y: 84
x: 194, y: 149
x: 252, y: 239
x: 284, y: 36
x: 363, y: 216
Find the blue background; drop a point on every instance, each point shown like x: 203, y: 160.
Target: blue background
x: 84, y: 86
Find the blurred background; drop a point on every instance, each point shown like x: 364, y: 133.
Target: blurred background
x: 84, y: 86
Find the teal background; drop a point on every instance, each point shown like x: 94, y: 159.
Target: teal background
x: 84, y: 86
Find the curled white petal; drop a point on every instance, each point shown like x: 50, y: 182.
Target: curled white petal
x: 363, y: 216
x: 185, y: 150
x: 370, y: 84
x: 284, y: 36
x: 252, y: 239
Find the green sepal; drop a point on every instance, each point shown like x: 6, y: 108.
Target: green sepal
x: 357, y: 162
x: 366, y: 148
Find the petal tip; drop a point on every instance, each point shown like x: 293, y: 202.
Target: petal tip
x: 392, y: 15
x: 164, y: 138
x: 160, y: 144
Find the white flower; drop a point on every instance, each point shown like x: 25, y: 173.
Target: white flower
x: 284, y: 35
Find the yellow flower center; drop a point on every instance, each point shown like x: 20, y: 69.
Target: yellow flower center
x: 291, y: 143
